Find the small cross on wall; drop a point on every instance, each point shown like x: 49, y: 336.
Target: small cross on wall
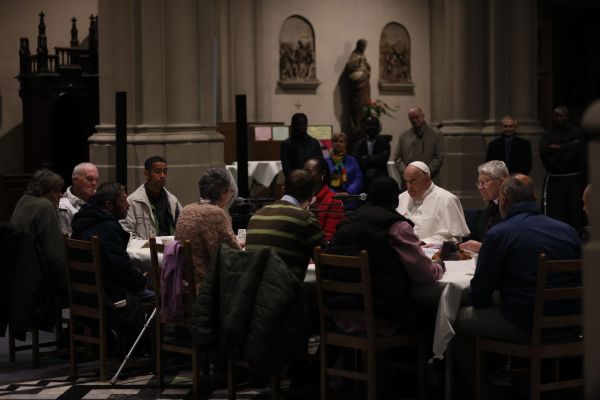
x: 298, y: 105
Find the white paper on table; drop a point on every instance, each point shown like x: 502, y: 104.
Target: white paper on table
x: 136, y: 243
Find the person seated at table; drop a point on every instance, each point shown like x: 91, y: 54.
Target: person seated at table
x: 35, y: 215
x: 491, y: 176
x: 508, y: 262
x: 122, y: 280
x: 205, y: 223
x: 299, y: 147
x: 372, y: 152
x: 85, y: 182
x: 330, y: 211
x: 437, y: 214
x: 287, y: 226
x: 154, y: 210
x: 346, y: 177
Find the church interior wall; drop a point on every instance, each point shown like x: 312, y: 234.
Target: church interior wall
x: 337, y: 25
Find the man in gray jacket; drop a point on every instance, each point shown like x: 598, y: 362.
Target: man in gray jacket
x: 153, y: 210
x: 419, y: 143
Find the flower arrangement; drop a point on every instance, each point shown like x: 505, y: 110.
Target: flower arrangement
x: 376, y: 108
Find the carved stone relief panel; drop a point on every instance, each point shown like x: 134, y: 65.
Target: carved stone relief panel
x: 394, y: 59
x: 297, y: 57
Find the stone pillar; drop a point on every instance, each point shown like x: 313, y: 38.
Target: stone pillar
x: 512, y: 73
x: 163, y: 54
x: 237, y: 46
x: 591, y: 254
x: 457, y: 86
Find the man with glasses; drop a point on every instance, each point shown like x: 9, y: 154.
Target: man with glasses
x: 491, y: 176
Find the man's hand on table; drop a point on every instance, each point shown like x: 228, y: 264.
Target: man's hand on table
x: 470, y: 245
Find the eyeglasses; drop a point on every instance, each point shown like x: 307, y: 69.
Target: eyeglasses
x: 483, y: 183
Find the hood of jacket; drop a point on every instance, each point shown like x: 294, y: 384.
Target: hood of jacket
x: 90, y: 215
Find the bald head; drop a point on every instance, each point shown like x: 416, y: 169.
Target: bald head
x: 509, y: 125
x: 416, y: 117
x: 517, y: 188
x: 560, y: 116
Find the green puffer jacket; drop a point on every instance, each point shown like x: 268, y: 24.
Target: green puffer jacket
x: 251, y: 304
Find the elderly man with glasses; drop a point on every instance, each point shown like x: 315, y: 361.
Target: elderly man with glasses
x: 491, y: 176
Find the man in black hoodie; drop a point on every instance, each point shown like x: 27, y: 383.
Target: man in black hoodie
x: 124, y: 284
x: 395, y: 257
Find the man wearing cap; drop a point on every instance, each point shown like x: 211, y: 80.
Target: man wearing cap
x: 437, y: 214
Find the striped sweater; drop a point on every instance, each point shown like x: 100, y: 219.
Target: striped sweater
x: 290, y: 231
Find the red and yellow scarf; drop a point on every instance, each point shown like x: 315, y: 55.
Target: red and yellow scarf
x: 338, y: 175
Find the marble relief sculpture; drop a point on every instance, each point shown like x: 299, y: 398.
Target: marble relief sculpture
x: 394, y: 59
x: 297, y: 59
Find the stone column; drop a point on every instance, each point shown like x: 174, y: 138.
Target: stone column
x: 512, y: 73
x: 163, y: 54
x: 458, y: 85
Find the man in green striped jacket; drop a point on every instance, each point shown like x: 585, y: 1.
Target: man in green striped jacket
x: 287, y: 226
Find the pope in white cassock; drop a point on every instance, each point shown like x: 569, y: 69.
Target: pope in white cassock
x: 437, y: 214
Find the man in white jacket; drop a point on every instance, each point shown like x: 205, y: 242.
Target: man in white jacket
x: 85, y: 181
x: 437, y: 214
x: 153, y: 210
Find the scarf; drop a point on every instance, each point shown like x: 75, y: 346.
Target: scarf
x: 338, y: 175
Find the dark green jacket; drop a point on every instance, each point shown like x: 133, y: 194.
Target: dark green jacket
x: 253, y: 305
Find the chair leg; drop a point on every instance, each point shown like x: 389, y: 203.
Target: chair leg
x: 371, y: 374
x: 72, y: 355
x: 535, y: 371
x: 103, y: 352
x: 230, y: 378
x: 11, y: 345
x: 195, y: 369
x: 478, y: 366
x: 324, y: 381
x: 275, y: 385
x: 35, y: 348
x: 158, y: 353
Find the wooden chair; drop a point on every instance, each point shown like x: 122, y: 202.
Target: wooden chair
x: 86, y: 299
x: 36, y: 345
x: 369, y: 342
x: 183, y: 322
x: 543, y: 347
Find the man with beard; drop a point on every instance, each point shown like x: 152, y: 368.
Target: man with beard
x: 124, y: 284
x: 299, y: 147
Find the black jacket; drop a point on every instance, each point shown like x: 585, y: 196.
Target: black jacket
x: 520, y: 154
x: 295, y: 152
x: 120, y: 275
x: 375, y: 164
x: 367, y: 229
x: 27, y: 298
x: 252, y: 304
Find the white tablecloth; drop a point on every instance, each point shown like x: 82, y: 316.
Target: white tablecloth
x: 446, y: 295
x: 262, y: 172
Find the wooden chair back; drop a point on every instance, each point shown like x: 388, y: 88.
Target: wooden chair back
x: 86, y: 297
x: 553, y: 337
x: 161, y: 344
x: 346, y: 302
x: 545, y: 292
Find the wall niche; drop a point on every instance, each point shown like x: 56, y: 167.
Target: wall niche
x: 297, y: 57
x: 394, y: 60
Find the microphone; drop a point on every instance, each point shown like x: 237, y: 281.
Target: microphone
x: 361, y: 197
x: 258, y: 200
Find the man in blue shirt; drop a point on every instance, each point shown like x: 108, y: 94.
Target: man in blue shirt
x: 508, y: 262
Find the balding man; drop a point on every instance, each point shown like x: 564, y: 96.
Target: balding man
x: 508, y: 262
x: 420, y: 143
x: 437, y: 214
x: 513, y: 150
x: 85, y: 182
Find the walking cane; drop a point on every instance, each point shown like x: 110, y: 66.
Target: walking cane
x: 128, y: 356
